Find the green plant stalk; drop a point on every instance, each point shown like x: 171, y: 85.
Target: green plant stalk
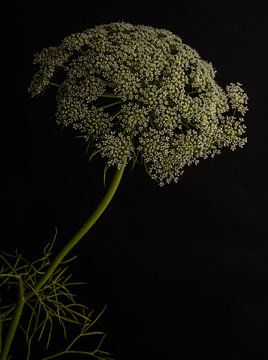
x: 22, y: 298
x: 112, y: 104
x: 82, y: 231
x: 15, y: 321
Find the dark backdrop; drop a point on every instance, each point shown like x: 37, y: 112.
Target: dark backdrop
x: 183, y: 268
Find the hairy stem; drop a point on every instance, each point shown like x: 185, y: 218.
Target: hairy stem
x: 15, y: 321
x: 82, y: 231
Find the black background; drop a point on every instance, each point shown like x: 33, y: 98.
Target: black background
x: 183, y: 268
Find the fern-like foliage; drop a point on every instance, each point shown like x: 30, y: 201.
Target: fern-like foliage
x: 52, y: 306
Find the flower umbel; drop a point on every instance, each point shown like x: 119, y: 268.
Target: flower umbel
x: 137, y: 92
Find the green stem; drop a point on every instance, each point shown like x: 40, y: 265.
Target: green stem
x: 15, y: 321
x: 110, y: 95
x: 55, y: 84
x: 82, y: 231
x: 22, y: 298
x: 77, y: 352
x: 1, y: 335
x: 112, y: 104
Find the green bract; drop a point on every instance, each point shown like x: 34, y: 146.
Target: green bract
x: 139, y: 93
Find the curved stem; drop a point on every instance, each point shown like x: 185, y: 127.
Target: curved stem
x: 22, y: 298
x: 82, y: 231
x: 15, y: 321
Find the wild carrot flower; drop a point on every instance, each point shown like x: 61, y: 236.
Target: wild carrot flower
x: 138, y: 93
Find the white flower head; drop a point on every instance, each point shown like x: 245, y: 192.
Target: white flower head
x: 137, y: 92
